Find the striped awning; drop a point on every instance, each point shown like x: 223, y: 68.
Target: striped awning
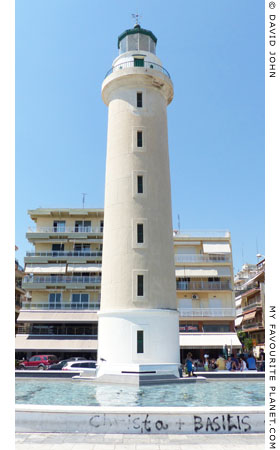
x: 238, y: 321
x: 45, y: 268
x: 203, y: 272
x: 57, y: 316
x: 249, y: 316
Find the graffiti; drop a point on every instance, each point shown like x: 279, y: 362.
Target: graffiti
x: 147, y: 423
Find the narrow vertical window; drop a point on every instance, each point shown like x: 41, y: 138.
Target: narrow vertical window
x: 139, y: 139
x: 140, y: 341
x: 140, y: 285
x: 140, y: 184
x: 139, y: 100
x: 140, y: 233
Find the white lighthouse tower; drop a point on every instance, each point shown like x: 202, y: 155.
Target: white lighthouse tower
x: 138, y: 337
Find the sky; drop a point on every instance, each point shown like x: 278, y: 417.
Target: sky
x: 214, y: 52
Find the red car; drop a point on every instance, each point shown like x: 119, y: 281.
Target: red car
x: 40, y: 362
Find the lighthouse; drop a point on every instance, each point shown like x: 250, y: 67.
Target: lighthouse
x: 138, y: 322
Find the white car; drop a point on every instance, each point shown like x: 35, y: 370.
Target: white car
x: 81, y: 366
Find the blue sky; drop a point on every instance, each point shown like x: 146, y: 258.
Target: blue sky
x: 214, y: 52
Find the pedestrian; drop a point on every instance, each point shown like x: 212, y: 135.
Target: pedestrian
x: 206, y: 363
x: 221, y: 363
x: 251, y: 362
x: 189, y: 365
x: 262, y: 359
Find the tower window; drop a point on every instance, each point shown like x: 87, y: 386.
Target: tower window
x: 140, y: 285
x: 138, y: 62
x: 139, y: 100
x: 140, y: 233
x: 139, y: 139
x: 140, y: 341
x: 140, y: 184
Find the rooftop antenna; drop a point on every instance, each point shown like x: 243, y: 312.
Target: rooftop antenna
x: 84, y: 196
x: 136, y: 17
x: 179, y: 224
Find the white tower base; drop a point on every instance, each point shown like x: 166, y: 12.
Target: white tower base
x: 128, y: 365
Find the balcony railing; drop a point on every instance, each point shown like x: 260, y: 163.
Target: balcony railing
x: 55, y: 253
x: 206, y: 312
x: 201, y: 233
x: 62, y: 280
x: 252, y: 305
x: 61, y: 306
x: 60, y: 229
x: 146, y: 64
x: 246, y: 326
x: 203, y: 285
x: 181, y: 258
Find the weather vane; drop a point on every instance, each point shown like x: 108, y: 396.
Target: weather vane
x: 136, y: 17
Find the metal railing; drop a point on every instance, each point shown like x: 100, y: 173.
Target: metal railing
x: 182, y: 258
x: 61, y: 306
x: 56, y: 253
x: 246, y: 326
x: 147, y: 65
x: 53, y: 331
x: 203, y: 285
x: 201, y: 233
x: 206, y: 312
x: 76, y: 229
x: 62, y: 280
x: 252, y: 305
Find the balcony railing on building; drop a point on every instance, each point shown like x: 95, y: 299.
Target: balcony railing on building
x: 61, y: 306
x: 256, y: 304
x: 63, y: 229
x: 59, y: 253
x: 206, y: 312
x: 203, y: 285
x: 62, y: 279
x: 201, y: 258
x: 201, y: 233
x: 246, y: 326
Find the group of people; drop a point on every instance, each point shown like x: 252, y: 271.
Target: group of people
x: 232, y: 363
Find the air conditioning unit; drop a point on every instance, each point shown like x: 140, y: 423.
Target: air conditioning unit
x: 195, y: 297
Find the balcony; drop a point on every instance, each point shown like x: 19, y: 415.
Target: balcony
x: 130, y: 64
x: 203, y: 285
x: 59, y: 230
x: 188, y: 258
x: 247, y: 326
x: 202, y: 233
x: 63, y: 255
x: 38, y: 282
x: 257, y: 304
x: 64, y: 306
x: 206, y: 312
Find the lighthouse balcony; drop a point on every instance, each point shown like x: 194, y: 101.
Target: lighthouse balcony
x: 139, y: 65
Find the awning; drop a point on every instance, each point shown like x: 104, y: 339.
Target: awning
x: 26, y: 342
x: 249, y: 316
x: 203, y: 272
x: 45, y: 268
x: 83, y: 268
x: 216, y: 247
x: 57, y: 316
x: 238, y: 302
x: 238, y: 321
x: 209, y: 340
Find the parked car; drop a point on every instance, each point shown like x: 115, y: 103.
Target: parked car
x: 60, y: 364
x: 40, y: 362
x: 80, y: 366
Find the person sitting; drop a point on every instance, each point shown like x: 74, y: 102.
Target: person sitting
x: 221, y: 363
x: 242, y: 364
x: 228, y: 363
x: 251, y: 362
x: 212, y: 364
x: 234, y: 363
x: 262, y: 359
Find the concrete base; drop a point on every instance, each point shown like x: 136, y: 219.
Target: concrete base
x: 140, y: 420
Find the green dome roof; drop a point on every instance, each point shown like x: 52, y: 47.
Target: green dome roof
x: 136, y: 29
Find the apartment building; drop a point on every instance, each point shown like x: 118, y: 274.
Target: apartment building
x: 205, y: 298
x: 249, y: 287
x: 63, y: 281
x: 19, y: 291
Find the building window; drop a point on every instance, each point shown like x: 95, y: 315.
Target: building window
x: 79, y: 301
x: 55, y: 301
x: 138, y: 62
x: 101, y: 225
x: 221, y: 328
x: 140, y: 233
x: 139, y: 100
x: 140, y: 341
x: 85, y: 248
x: 82, y: 226
x: 59, y: 226
x: 140, y: 184
x: 57, y: 247
x: 140, y: 285
x: 139, y: 139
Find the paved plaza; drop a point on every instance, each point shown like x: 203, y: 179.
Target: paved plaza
x: 63, y: 441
